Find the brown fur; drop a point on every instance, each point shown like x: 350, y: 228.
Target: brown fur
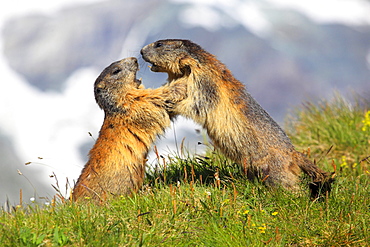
x: 234, y: 120
x: 134, y: 117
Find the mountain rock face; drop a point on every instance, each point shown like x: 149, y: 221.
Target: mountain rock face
x: 295, y: 60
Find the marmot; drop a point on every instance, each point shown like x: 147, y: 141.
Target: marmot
x: 234, y: 121
x: 134, y: 117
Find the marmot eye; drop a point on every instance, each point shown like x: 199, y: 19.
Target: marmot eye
x: 159, y: 44
x: 116, y: 71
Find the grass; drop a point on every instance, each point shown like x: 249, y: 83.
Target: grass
x: 206, y: 201
x: 338, y: 127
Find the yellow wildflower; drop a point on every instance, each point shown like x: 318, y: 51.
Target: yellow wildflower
x: 262, y: 228
x: 344, y: 162
x: 366, y: 122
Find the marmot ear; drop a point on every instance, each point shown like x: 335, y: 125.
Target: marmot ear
x: 188, y: 61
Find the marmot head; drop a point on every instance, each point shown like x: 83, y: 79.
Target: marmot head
x: 173, y: 56
x: 114, y: 82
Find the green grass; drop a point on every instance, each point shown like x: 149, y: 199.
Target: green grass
x: 334, y: 133
x: 206, y: 201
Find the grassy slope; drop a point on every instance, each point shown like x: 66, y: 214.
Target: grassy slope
x: 205, y: 201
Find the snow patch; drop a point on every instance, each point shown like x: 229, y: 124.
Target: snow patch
x: 350, y: 12
x: 200, y: 15
x: 213, y: 15
x: 51, y: 125
x: 251, y: 15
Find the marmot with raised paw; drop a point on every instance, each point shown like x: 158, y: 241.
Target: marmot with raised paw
x: 134, y: 117
x: 234, y: 121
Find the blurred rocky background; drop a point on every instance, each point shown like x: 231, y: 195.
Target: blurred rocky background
x: 284, y: 52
